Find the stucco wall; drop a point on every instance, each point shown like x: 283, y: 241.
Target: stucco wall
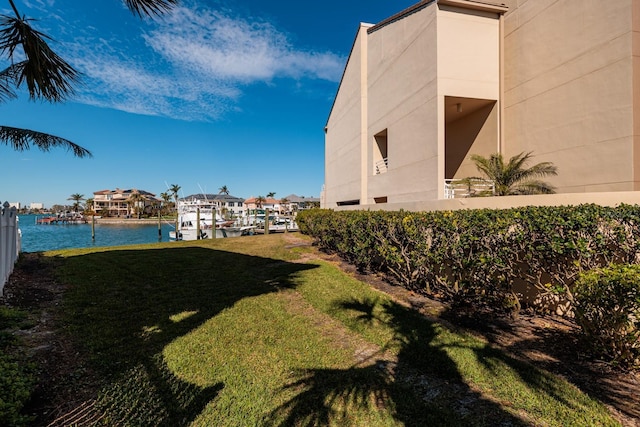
x: 402, y: 87
x: 343, y: 135
x: 569, y: 90
x: 468, y: 53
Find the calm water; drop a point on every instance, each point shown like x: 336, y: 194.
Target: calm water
x: 48, y: 237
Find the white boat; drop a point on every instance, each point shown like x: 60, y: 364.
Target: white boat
x: 196, y: 221
x: 276, y: 222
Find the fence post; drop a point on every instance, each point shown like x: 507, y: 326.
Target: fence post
x: 10, y: 242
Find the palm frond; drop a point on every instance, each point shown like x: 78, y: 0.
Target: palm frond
x: 7, y: 83
x: 22, y: 139
x: 150, y: 7
x: 533, y: 187
x: 514, y: 177
x: 45, y: 73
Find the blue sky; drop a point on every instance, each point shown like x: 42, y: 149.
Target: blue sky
x: 216, y: 93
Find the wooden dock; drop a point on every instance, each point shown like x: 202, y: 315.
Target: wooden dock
x: 53, y: 220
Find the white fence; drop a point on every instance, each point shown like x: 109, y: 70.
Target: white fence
x: 10, y: 242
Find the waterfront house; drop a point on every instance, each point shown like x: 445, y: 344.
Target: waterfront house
x: 299, y: 203
x: 228, y: 206
x: 124, y: 203
x: 270, y: 203
x: 425, y: 89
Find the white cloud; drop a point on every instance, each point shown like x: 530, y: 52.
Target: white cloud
x: 199, y: 65
x: 236, y: 49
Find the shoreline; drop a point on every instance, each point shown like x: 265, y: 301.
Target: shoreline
x: 120, y: 221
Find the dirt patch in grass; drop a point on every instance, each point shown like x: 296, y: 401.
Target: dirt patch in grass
x: 64, y: 383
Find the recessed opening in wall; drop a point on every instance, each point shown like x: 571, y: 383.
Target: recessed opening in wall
x: 380, y: 199
x: 349, y: 202
x: 380, y: 154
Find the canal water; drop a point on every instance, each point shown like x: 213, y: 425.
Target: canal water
x: 36, y: 237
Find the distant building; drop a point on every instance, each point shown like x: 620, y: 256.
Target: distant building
x: 273, y: 205
x: 123, y: 203
x: 299, y: 203
x: 14, y: 205
x: 226, y: 204
x: 34, y: 206
x: 286, y: 205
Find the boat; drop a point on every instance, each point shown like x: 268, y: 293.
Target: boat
x: 196, y: 221
x: 276, y: 222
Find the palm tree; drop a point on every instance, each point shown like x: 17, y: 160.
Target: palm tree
x: 77, y: 198
x: 46, y: 75
x: 271, y: 195
x: 174, y: 189
x: 136, y: 199
x: 88, y: 206
x: 515, y: 178
x: 166, y: 198
x: 260, y: 201
x: 223, y: 190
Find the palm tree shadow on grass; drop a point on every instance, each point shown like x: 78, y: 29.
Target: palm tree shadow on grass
x: 565, y: 350
x: 126, y: 306
x: 421, y: 386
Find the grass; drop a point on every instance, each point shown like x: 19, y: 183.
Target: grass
x: 234, y: 332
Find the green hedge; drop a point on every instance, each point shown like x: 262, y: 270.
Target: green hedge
x: 480, y: 253
x: 607, y: 308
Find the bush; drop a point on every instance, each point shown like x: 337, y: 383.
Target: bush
x: 479, y: 255
x: 15, y: 389
x: 16, y: 377
x: 607, y: 308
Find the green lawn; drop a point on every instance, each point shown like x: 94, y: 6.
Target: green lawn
x: 234, y: 332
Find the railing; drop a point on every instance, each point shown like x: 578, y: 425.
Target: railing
x: 10, y: 242
x: 382, y: 166
x: 468, y: 187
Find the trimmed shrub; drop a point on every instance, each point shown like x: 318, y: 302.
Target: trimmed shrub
x: 480, y: 254
x: 607, y: 308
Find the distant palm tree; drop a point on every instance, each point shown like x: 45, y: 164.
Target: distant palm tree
x: 88, y: 206
x: 271, y: 195
x: 166, y: 198
x: 77, y: 198
x: 260, y: 201
x: 514, y: 178
x: 223, y: 190
x: 137, y: 201
x: 175, y: 189
x: 46, y: 75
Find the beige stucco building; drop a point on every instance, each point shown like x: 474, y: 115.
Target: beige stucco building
x: 444, y: 79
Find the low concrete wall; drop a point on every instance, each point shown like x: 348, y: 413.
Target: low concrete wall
x: 507, y: 202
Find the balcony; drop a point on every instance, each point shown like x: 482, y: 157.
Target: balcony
x: 382, y: 166
x: 468, y: 187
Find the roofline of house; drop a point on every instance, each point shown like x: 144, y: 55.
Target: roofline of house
x: 403, y: 13
x: 353, y: 45
x: 466, y: 4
